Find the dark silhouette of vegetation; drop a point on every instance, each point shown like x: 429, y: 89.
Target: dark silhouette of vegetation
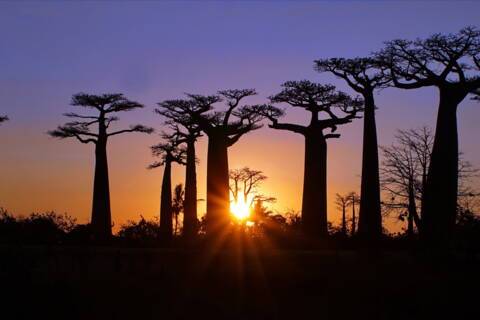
x: 143, y: 231
x: 353, y: 201
x: 476, y: 95
x: 178, y: 205
x: 364, y: 77
x: 321, y: 101
x: 80, y: 128
x: 247, y: 181
x: 223, y: 128
x: 342, y: 203
x: 169, y: 152
x: 3, y: 119
x: 451, y: 64
x: 37, y: 228
x: 177, y: 120
x: 404, y: 175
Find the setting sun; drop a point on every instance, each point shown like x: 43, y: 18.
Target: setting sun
x: 240, y: 208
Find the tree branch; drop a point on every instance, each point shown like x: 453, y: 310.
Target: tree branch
x: 135, y: 128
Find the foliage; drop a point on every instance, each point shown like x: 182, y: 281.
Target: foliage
x: 141, y: 231
x: 47, y: 227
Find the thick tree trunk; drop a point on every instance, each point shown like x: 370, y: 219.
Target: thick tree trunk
x: 218, y: 197
x: 370, y: 218
x: 190, y: 221
x: 424, y: 183
x: 412, y: 210
x: 166, y: 228
x: 314, y: 203
x: 101, y: 216
x: 442, y: 182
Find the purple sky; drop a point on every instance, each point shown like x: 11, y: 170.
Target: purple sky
x: 157, y: 50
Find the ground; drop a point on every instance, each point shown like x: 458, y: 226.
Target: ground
x: 48, y: 282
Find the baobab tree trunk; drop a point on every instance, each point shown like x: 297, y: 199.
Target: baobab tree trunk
x: 166, y: 228
x: 370, y: 218
x: 442, y: 181
x: 424, y: 184
x: 190, y: 202
x: 218, y: 197
x: 314, y: 203
x: 101, y: 215
x: 412, y: 209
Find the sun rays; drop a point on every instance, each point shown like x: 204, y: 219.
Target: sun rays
x: 241, y: 207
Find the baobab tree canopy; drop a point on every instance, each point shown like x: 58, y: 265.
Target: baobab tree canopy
x: 105, y: 104
x: 362, y: 74
x: 322, y: 101
x: 440, y: 60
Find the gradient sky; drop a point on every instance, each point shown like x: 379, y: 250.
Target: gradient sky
x: 152, y: 51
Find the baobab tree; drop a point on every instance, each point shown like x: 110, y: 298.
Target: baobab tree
x: 247, y: 181
x: 451, y: 63
x: 323, y: 102
x: 342, y: 204
x: 404, y: 175
x: 168, y: 152
x: 223, y: 129
x: 185, y: 131
x: 104, y: 106
x: 364, y: 77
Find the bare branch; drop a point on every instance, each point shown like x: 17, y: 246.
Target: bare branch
x: 436, y: 61
x: 133, y: 128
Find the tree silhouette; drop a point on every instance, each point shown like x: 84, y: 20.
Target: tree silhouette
x: 189, y: 135
x: 3, y: 119
x: 319, y: 100
x: 140, y: 231
x: 450, y: 63
x: 364, y: 77
x: 245, y: 180
x: 342, y: 204
x: 178, y: 204
x: 223, y: 129
x: 104, y: 106
x: 353, y: 201
x: 476, y: 95
x: 404, y: 175
x: 168, y: 152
